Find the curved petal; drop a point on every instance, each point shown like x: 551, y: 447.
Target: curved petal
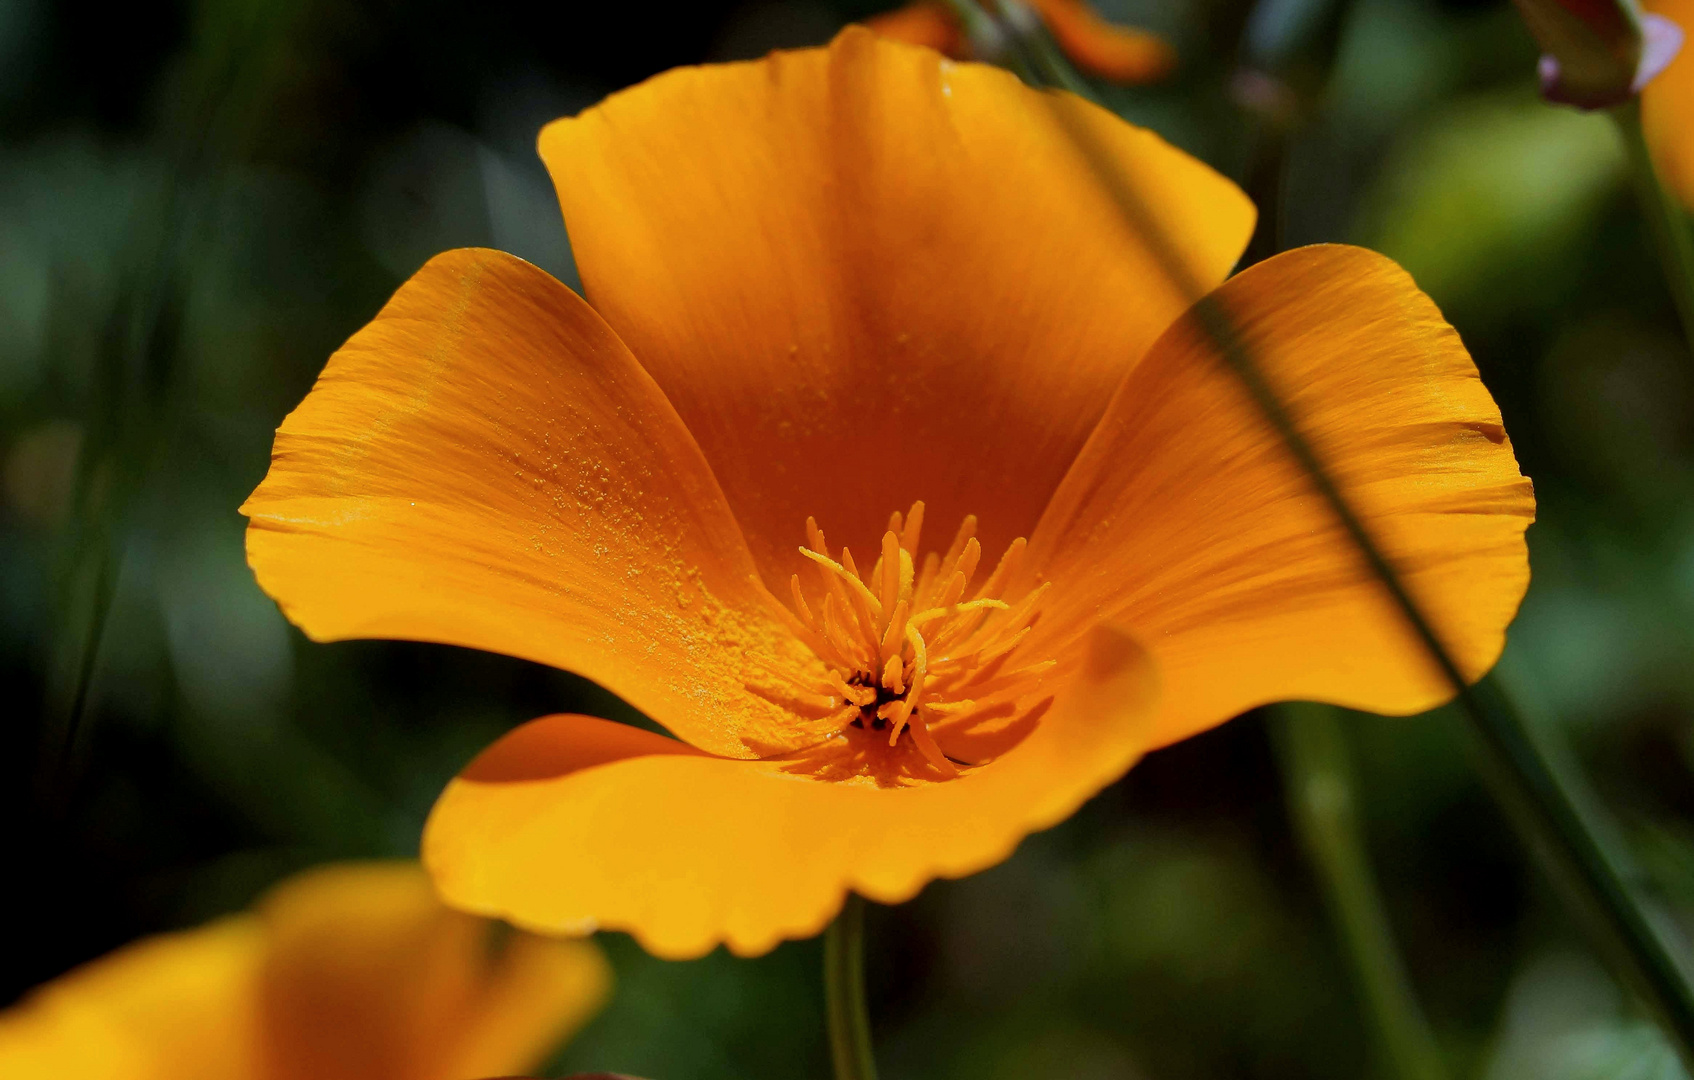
x: 541, y: 993
x: 486, y: 465
x: 1121, y: 54
x: 686, y: 851
x: 1186, y: 520
x: 929, y: 23
x: 368, y: 977
x: 1667, y: 106
x: 866, y: 276
x: 173, y: 1007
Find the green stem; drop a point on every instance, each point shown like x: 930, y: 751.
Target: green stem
x: 1313, y: 752
x: 844, y: 993
x: 1591, y: 881
x: 1520, y: 777
x: 1266, y: 182
x: 1544, y: 806
x: 1312, y: 743
x: 1045, y: 55
x: 1015, y: 38
x: 1666, y: 217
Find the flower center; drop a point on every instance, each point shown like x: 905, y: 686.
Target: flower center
x: 911, y: 648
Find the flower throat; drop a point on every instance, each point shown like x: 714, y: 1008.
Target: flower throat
x: 907, y: 651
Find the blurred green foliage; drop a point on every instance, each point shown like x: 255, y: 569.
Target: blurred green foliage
x: 198, y: 202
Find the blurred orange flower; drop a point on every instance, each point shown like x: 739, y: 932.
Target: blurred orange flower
x: 1116, y: 53
x: 833, y: 283
x: 1667, y: 106
x: 348, y: 972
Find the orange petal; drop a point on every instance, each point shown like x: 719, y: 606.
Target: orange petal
x: 1121, y: 54
x: 686, y: 851
x: 932, y: 25
x: 352, y: 972
x: 368, y: 976
x: 542, y: 992
x: 1667, y: 106
x: 486, y: 465
x: 173, y: 1007
x: 1185, y: 519
x: 866, y: 275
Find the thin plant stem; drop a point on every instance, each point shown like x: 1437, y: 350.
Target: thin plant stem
x: 100, y: 610
x: 1520, y: 778
x: 1312, y: 747
x: 1044, y: 53
x: 136, y: 397
x: 1540, y: 801
x: 1312, y: 744
x: 1267, y: 183
x: 1589, y: 876
x: 1518, y: 774
x: 1667, y: 218
x: 1010, y: 33
x: 844, y: 993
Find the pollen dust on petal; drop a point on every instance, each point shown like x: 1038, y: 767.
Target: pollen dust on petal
x: 722, y: 640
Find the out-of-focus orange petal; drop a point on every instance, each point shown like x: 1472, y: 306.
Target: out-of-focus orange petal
x: 369, y: 977
x: 686, y: 851
x: 486, y: 465
x: 174, y: 1007
x: 1186, y: 520
x: 351, y: 972
x: 541, y: 992
x: 866, y: 275
x: 1667, y: 106
x: 1120, y: 54
x: 932, y: 25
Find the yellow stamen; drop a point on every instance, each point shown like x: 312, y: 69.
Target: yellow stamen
x: 926, y: 576
x: 800, y: 607
x: 835, y: 633
x: 928, y: 748
x: 895, y: 635
x: 838, y: 578
x: 906, y: 650
x: 968, y: 559
x: 889, y: 568
x: 857, y: 695
x: 966, y: 533
x: 1002, y: 573
x: 893, y: 676
x: 913, y: 531
x: 861, y: 598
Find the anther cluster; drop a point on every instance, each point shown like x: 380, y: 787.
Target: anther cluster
x: 907, y: 649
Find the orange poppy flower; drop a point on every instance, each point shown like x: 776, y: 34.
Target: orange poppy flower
x: 350, y: 972
x: 1119, y: 54
x: 825, y: 285
x: 1667, y: 106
